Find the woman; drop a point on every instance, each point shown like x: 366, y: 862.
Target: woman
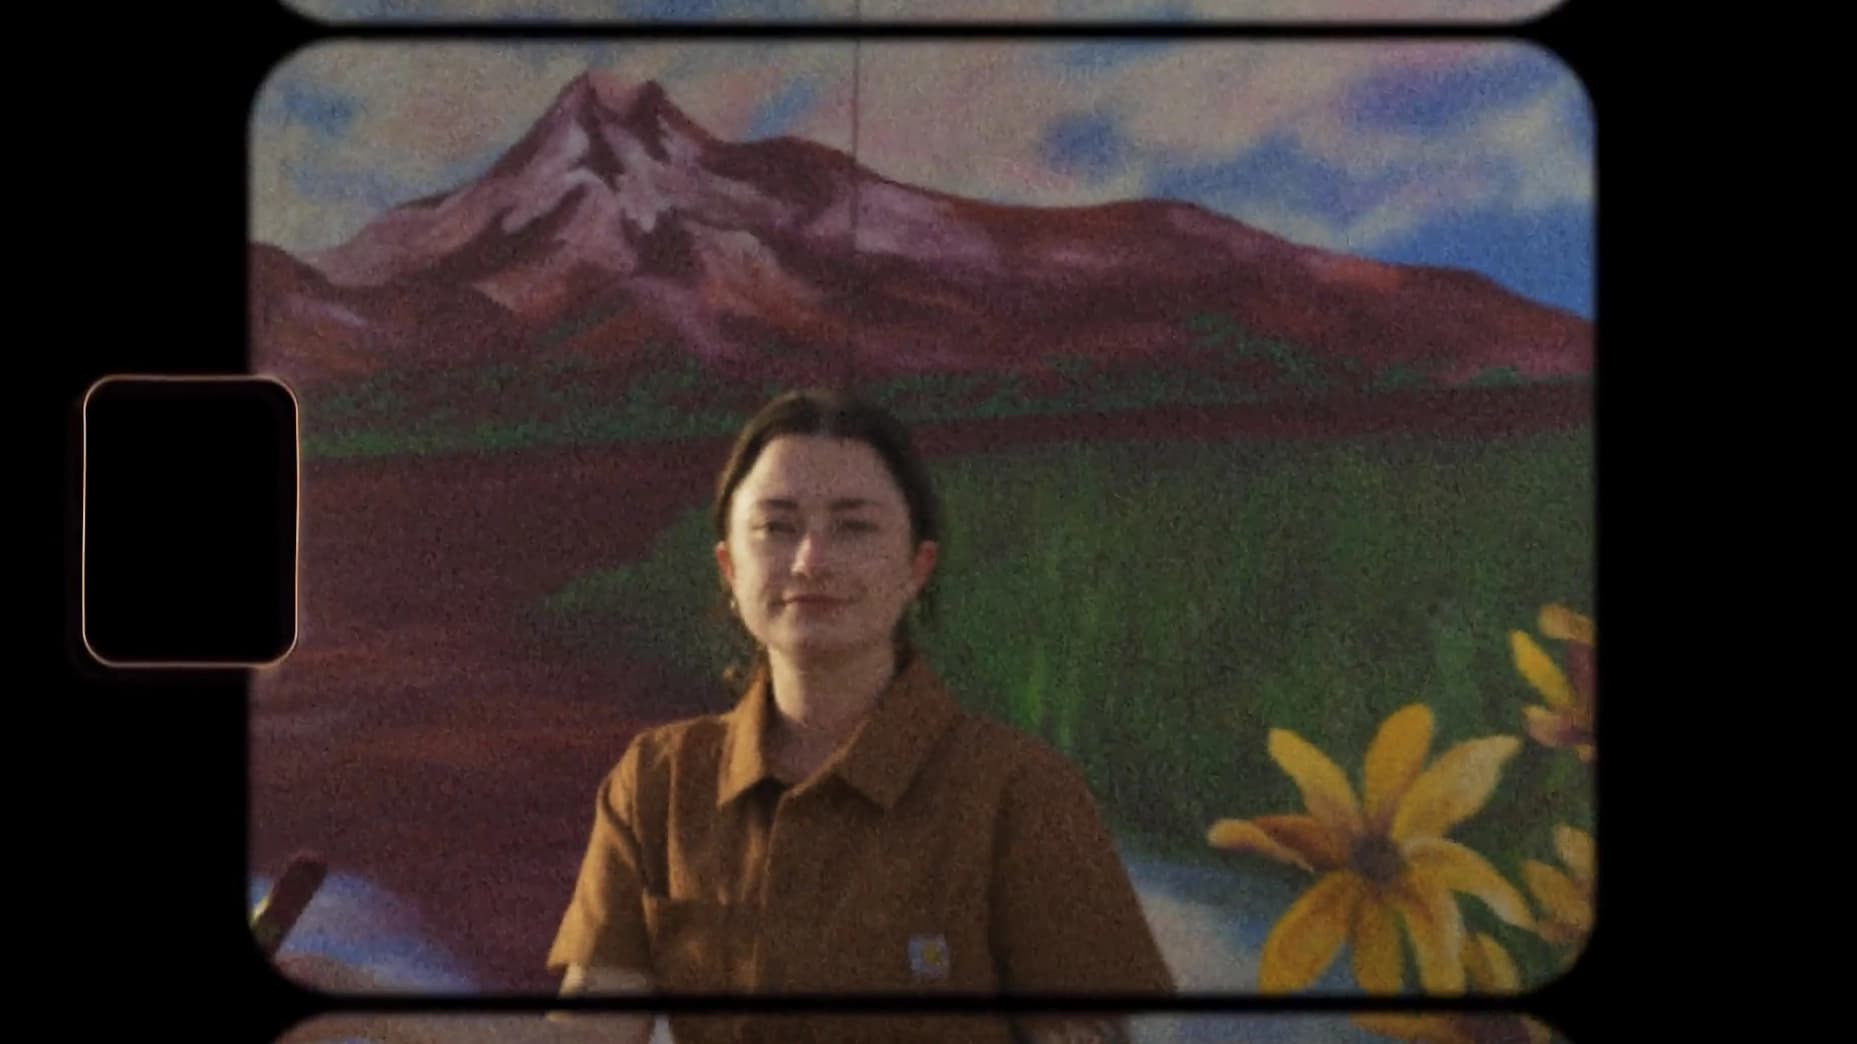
x: 847, y: 827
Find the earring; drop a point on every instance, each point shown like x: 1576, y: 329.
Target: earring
x: 734, y: 610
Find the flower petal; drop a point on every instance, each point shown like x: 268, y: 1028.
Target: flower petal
x: 1379, y: 966
x: 1307, y: 837
x: 1245, y: 837
x: 1449, y: 865
x: 1453, y: 788
x: 1426, y: 1029
x: 1576, y: 853
x: 1324, y: 787
x: 1489, y: 966
x: 1561, y: 935
x: 1563, y: 624
x: 1305, y: 940
x: 1580, y: 675
x: 1394, y: 759
x: 1550, y: 728
x: 1540, y: 671
x: 1558, y: 896
x: 1436, y: 929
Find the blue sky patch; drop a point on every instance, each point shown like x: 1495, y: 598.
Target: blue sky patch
x: 1100, y: 57
x: 378, y: 190
x: 377, y: 9
x: 1275, y: 170
x: 779, y: 114
x: 1089, y: 145
x: 1546, y: 256
x: 720, y: 10
x: 1442, y: 100
x: 324, y: 111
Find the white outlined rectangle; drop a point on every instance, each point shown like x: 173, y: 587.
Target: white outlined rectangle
x: 84, y: 524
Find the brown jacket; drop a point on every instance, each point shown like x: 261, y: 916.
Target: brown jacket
x: 938, y: 852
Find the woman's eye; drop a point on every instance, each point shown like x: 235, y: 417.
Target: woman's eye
x: 777, y: 527
x: 855, y: 525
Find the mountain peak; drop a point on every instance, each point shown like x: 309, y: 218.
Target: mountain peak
x: 611, y: 96
x: 604, y: 106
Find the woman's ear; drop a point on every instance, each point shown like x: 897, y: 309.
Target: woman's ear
x: 724, y: 563
x: 927, y: 554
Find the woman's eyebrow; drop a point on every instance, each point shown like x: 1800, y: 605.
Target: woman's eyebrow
x: 841, y: 504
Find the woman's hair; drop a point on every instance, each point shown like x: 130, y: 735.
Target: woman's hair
x: 839, y: 415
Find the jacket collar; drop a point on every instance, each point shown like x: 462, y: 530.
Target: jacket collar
x: 883, y: 756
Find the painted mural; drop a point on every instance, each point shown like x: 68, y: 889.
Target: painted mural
x: 1197, y: 12
x: 1256, y: 378
x: 1198, y: 1029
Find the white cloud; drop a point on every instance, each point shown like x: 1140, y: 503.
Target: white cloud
x: 1202, y: 103
x: 1523, y: 156
x: 1528, y: 137
x: 1552, y: 156
x: 281, y: 212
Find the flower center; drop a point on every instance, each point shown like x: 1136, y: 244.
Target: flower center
x: 1378, y: 860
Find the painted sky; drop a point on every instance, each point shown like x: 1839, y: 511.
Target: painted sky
x: 1201, y: 11
x: 1475, y: 155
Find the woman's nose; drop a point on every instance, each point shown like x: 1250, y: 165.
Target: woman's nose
x: 809, y: 556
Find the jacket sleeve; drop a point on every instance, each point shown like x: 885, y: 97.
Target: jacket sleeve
x: 604, y: 925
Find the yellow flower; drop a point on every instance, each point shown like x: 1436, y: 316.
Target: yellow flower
x: 1489, y: 967
x: 1381, y: 862
x: 1566, y: 723
x: 1489, y: 970
x: 1565, y: 896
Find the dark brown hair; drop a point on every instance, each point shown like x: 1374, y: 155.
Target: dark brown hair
x: 837, y: 414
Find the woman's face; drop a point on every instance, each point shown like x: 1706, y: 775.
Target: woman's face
x: 819, y: 553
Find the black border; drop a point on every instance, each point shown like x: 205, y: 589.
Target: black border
x: 173, y: 742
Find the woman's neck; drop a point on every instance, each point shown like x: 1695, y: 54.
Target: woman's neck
x: 820, y: 704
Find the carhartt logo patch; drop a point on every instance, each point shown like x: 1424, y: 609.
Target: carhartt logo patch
x: 928, y: 957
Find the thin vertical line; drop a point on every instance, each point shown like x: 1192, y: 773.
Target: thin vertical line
x: 857, y: 288
x: 857, y: 50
